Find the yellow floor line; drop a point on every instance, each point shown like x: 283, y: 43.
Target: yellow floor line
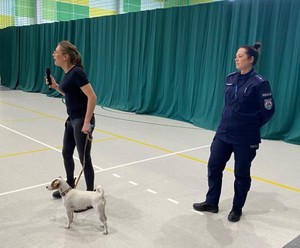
x: 135, y: 141
x: 47, y: 149
x: 148, y: 145
x: 203, y: 162
x: 23, y: 119
x: 104, y: 139
x: 275, y: 183
x: 26, y: 152
x: 31, y: 110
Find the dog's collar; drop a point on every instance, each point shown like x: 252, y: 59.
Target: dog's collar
x: 65, y: 192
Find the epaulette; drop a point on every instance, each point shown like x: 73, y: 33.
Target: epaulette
x: 232, y: 73
x: 259, y: 78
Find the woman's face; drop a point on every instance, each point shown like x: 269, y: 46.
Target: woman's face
x: 58, y: 56
x: 242, y: 62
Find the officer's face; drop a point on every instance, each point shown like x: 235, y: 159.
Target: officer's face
x: 242, y: 62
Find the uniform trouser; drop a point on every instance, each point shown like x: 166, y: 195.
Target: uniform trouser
x: 74, y: 137
x: 220, y: 154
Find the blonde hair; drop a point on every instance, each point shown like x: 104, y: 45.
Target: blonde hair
x: 68, y: 48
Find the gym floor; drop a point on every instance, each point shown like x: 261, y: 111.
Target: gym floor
x: 152, y: 170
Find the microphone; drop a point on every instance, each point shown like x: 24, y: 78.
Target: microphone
x: 48, y: 77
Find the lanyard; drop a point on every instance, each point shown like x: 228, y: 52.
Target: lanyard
x: 235, y: 90
x: 244, y: 79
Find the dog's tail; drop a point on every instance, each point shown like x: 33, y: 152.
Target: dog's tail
x: 100, y: 190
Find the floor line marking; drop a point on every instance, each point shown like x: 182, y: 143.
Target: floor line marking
x: 151, y: 191
x: 41, y: 143
x: 23, y: 189
x: 24, y: 153
x: 197, y: 212
x: 155, y: 147
x: 133, y: 183
x: 32, y: 110
x: 143, y: 143
x: 48, y: 149
x: 173, y: 201
x: 116, y: 175
x: 153, y: 158
x: 26, y: 136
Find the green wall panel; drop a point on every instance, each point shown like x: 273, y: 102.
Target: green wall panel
x: 170, y: 62
x: 132, y: 5
x: 24, y: 8
x: 49, y: 10
x: 81, y: 11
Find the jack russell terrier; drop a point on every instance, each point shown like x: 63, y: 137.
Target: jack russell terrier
x: 74, y: 199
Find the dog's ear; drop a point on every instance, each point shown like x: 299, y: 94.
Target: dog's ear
x: 55, y: 184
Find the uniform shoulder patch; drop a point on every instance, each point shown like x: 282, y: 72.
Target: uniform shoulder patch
x: 268, y: 104
x: 259, y: 78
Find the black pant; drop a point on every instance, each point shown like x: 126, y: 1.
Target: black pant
x: 74, y: 137
x: 220, y: 154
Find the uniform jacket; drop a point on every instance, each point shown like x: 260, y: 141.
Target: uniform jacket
x: 249, y: 104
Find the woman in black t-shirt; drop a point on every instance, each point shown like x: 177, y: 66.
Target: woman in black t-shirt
x: 80, y: 102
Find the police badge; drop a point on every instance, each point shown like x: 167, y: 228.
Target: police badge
x: 268, y: 103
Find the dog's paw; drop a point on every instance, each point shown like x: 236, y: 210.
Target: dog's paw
x: 105, y: 232
x: 67, y: 226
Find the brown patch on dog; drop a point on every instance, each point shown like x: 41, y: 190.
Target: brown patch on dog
x: 55, y: 184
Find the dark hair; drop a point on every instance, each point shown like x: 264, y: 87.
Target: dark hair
x: 68, y: 48
x: 253, y: 51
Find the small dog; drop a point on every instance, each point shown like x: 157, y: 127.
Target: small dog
x: 74, y: 199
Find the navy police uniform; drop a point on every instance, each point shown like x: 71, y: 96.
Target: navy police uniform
x: 248, y: 106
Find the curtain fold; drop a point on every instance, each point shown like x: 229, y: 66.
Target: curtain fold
x: 9, y: 56
x: 170, y: 62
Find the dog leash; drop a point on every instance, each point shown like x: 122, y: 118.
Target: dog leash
x: 88, y: 138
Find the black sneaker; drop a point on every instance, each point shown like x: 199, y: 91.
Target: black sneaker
x: 83, y: 210
x: 204, y: 206
x: 235, y: 214
x: 56, y: 194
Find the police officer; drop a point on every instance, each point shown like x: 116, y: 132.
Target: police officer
x: 248, y: 106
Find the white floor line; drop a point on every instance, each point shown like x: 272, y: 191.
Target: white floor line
x: 42, y: 143
x: 153, y: 158
x: 173, y: 201
x: 133, y: 183
x: 100, y: 169
x: 97, y: 167
x: 197, y: 212
x: 23, y: 189
x: 151, y: 191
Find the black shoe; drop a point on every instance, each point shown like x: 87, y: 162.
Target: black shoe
x: 83, y: 210
x: 235, y: 214
x: 204, y: 206
x: 56, y: 194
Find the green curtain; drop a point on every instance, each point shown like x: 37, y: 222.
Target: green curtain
x: 170, y: 62
x: 9, y: 56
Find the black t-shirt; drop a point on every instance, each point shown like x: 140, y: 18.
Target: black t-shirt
x: 76, y: 100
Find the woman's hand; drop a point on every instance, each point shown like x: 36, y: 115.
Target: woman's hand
x: 87, y: 128
x: 53, y: 84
